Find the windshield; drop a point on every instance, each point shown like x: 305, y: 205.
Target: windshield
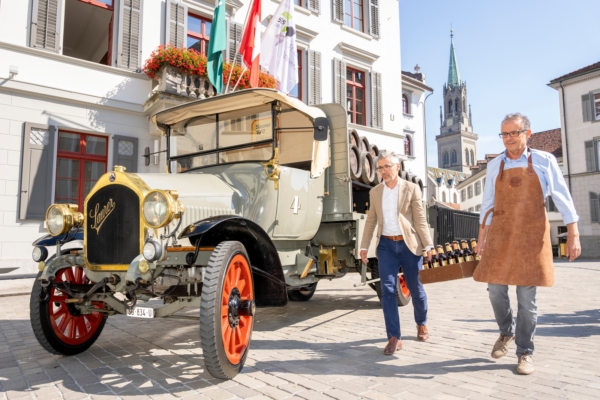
x: 242, y: 135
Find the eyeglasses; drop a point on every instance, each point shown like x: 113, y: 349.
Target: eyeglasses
x: 504, y: 135
x: 386, y: 167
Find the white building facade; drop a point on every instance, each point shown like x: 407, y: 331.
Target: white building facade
x: 73, y: 102
x: 579, y: 100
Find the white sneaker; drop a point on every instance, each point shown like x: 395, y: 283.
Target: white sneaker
x: 525, y: 366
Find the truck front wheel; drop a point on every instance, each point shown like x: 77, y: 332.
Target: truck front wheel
x: 57, y: 324
x: 227, y: 309
x: 402, y: 292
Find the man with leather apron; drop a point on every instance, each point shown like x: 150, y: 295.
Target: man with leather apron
x: 517, y: 240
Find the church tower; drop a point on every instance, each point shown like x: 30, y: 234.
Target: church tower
x: 456, y: 143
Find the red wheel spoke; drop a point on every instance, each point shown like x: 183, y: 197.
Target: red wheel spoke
x: 79, y: 277
x: 81, y: 327
x: 68, y: 275
x: 72, y: 328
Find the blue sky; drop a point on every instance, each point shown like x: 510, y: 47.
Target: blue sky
x: 507, y: 52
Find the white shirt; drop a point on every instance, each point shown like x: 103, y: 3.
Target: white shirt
x: 389, y: 206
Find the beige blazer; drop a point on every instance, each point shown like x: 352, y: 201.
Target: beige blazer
x: 411, y: 217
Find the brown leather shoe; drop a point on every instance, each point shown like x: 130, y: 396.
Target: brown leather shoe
x: 422, y: 333
x: 394, y: 344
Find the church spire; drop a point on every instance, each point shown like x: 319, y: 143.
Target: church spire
x: 453, y: 76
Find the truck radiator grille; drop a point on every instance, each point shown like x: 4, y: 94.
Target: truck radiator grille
x: 112, y: 226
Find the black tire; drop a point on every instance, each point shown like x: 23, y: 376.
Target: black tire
x: 305, y: 293
x: 58, y: 326
x: 354, y: 161
x: 402, y: 293
x: 367, y: 175
x: 228, y: 270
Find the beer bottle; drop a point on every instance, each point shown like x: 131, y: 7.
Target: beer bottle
x: 426, y: 262
x: 435, y: 261
x: 458, y: 254
x: 468, y: 254
x: 354, y: 207
x: 450, y: 254
x: 473, y: 244
x: 367, y: 207
x: 442, y: 256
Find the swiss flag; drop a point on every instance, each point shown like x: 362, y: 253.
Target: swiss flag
x: 250, y: 44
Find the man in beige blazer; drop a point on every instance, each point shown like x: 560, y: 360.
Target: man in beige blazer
x: 402, y: 234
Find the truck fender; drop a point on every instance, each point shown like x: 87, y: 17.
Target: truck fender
x: 49, y: 240
x: 267, y: 272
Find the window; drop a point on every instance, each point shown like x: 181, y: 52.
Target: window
x: 590, y: 104
x: 407, y: 146
x: 449, y: 106
x: 466, y: 157
x: 456, y: 105
x: 297, y: 90
x: 477, y: 188
x: 444, y: 197
x: 362, y: 15
x: 472, y: 158
x: 592, y: 155
x: 405, y: 104
x: 478, y: 208
x: 445, y: 158
x: 454, y: 157
x: 596, y: 106
x: 471, y: 209
x: 470, y: 191
x: 198, y: 33
x: 595, y: 206
x: 463, y: 195
x: 550, y: 206
x: 100, y: 31
x: 355, y: 95
x: 81, y: 161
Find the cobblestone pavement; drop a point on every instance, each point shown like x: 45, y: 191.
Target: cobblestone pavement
x: 329, y: 347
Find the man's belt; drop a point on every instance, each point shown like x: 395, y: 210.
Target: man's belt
x: 396, y: 238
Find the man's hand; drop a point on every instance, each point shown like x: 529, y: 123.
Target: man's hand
x: 573, y: 245
x: 429, y: 255
x: 481, y: 240
x: 478, y: 249
x: 363, y: 256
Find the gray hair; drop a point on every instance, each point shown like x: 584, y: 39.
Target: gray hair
x: 388, y: 154
x: 525, y: 124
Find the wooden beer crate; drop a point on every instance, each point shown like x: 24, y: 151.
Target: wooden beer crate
x: 448, y: 272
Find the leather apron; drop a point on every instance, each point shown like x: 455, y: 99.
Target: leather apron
x: 518, y: 250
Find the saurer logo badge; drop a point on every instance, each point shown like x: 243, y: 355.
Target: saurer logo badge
x: 98, y: 215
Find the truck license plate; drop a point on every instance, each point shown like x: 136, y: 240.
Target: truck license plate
x: 141, y: 312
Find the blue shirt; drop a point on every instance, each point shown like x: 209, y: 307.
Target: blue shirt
x: 551, y: 180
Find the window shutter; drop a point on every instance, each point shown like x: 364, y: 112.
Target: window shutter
x: 234, y: 31
x: 339, y: 95
x: 45, y: 18
x: 338, y: 11
x: 176, y: 29
x: 314, y: 77
x: 37, y: 171
x: 125, y: 152
x: 586, y: 107
x: 130, y: 34
x: 595, y: 206
x: 590, y: 159
x: 376, y: 101
x: 314, y: 5
x: 374, y: 10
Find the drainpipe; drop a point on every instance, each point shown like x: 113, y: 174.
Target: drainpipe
x: 425, y: 142
x: 562, y: 90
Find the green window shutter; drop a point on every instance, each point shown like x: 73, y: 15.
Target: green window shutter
x: 45, y: 21
x: 376, y: 101
x: 586, y: 107
x: 176, y: 27
x: 595, y: 206
x: 314, y: 77
x: 125, y: 152
x: 339, y: 91
x: 338, y: 11
x: 374, y: 11
x: 234, y: 32
x: 590, y: 156
x: 129, y: 45
x: 37, y: 171
x: 314, y: 5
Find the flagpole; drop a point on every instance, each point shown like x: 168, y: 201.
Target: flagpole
x: 239, y: 79
x: 237, y: 51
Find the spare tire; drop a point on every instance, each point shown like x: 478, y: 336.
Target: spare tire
x: 403, y: 175
x: 353, y: 138
x: 374, y: 150
x: 365, y: 146
x: 367, y: 175
x: 354, y: 161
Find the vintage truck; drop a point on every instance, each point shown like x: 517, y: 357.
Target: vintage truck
x: 257, y: 205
